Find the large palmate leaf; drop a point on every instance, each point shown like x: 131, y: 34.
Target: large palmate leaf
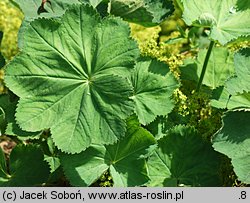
x: 226, y: 18
x: 220, y: 67
x: 152, y: 91
x: 145, y: 12
x: 67, y: 78
x: 183, y: 158
x: 27, y: 167
x: 124, y: 160
x: 233, y: 140
x: 222, y: 99
x: 240, y: 83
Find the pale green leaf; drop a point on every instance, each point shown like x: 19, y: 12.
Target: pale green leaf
x: 220, y: 67
x: 121, y: 158
x: 240, y: 83
x: 152, y: 91
x: 54, y: 162
x: 27, y: 167
x: 233, y: 140
x: 183, y: 158
x: 145, y: 12
x: 226, y: 21
x: 222, y: 99
x: 67, y: 78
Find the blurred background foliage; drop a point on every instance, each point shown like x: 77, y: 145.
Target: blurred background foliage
x: 10, y: 21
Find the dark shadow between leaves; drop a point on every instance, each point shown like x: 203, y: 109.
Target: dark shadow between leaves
x: 236, y: 127
x: 243, y: 5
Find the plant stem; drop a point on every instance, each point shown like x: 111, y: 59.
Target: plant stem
x: 204, y: 67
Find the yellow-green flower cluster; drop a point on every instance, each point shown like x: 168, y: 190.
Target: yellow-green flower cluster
x: 10, y: 21
x: 153, y: 45
x: 239, y: 45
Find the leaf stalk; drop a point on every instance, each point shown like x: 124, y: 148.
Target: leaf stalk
x: 204, y: 67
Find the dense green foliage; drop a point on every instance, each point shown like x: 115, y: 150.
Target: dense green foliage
x: 102, y: 94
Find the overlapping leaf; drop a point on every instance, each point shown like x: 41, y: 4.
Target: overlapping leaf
x: 227, y: 19
x: 145, y: 12
x: 220, y: 68
x: 152, y: 91
x: 10, y: 126
x: 52, y: 8
x: 124, y: 160
x: 233, y: 140
x: 240, y: 83
x: 67, y: 78
x: 223, y: 100
x: 21, y: 172
x: 183, y: 158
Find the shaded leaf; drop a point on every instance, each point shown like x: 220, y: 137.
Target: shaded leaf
x: 222, y: 99
x: 85, y: 168
x: 220, y: 67
x: 11, y: 128
x: 183, y: 158
x: 233, y: 140
x: 3, y: 167
x: 93, y: 3
x: 21, y: 174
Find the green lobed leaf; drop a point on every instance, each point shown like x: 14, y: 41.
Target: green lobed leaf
x: 124, y: 160
x: 152, y: 91
x: 233, y: 140
x: 240, y: 83
x: 183, y: 158
x: 222, y: 99
x: 226, y: 21
x: 220, y: 67
x: 21, y: 173
x: 145, y: 12
x: 67, y: 78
